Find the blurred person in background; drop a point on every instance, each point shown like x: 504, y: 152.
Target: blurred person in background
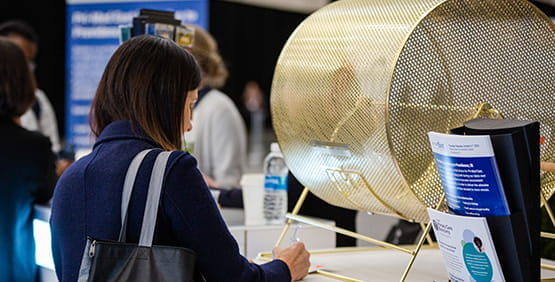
x: 40, y: 117
x: 27, y: 167
x: 253, y: 99
x: 218, y: 139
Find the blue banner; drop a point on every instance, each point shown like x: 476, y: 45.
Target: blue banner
x: 92, y: 37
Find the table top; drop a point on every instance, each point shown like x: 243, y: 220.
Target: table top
x: 380, y: 264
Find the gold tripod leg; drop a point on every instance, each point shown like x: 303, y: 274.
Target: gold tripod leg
x: 428, y: 237
x: 420, y: 242
x: 347, y: 233
x: 546, y: 234
x: 295, y: 211
x: 547, y: 266
x: 336, y: 276
x: 548, y: 209
x: 416, y: 250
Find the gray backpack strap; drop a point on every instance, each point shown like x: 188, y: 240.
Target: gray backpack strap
x: 153, y: 199
x: 128, y: 189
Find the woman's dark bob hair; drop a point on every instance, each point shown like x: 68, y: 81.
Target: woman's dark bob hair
x: 17, y: 83
x: 146, y: 82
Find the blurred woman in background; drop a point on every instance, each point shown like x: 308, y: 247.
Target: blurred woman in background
x: 27, y: 167
x: 218, y: 139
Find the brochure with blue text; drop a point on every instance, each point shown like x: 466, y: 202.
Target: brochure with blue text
x: 469, y: 174
x: 467, y: 247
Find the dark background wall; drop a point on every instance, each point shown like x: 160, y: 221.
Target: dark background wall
x: 250, y: 40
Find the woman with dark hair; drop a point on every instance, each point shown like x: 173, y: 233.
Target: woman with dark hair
x: 27, y: 167
x: 144, y: 101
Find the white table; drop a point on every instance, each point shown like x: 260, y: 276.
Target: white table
x: 379, y: 264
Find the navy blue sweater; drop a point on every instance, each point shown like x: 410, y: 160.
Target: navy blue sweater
x: 87, y: 202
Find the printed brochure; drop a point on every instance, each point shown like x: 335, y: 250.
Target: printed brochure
x: 469, y: 174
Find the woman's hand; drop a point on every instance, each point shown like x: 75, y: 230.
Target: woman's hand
x: 297, y: 259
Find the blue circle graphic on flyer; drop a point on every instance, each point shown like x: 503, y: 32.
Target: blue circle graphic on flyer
x: 475, y: 258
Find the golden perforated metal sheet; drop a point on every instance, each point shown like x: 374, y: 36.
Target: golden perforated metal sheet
x: 360, y: 83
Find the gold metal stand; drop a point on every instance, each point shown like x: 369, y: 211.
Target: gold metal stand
x: 545, y: 203
x: 428, y: 237
x: 547, y: 235
x: 295, y: 211
x: 293, y: 216
x: 548, y: 267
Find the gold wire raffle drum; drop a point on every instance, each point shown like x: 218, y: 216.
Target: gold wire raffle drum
x: 360, y: 83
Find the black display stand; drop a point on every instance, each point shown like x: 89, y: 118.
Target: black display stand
x: 152, y: 16
x: 516, y: 236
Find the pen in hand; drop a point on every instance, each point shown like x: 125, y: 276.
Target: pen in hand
x: 294, y: 237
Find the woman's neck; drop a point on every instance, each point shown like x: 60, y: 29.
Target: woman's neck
x: 17, y: 120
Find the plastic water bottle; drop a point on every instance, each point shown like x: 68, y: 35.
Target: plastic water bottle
x: 275, y: 186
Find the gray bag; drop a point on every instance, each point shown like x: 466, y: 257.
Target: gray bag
x: 119, y: 261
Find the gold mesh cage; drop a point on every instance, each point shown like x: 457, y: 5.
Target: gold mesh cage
x: 360, y: 83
